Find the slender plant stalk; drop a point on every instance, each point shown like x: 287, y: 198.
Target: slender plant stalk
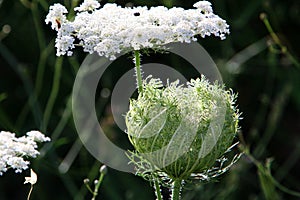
x: 138, y: 71
x: 44, y: 53
x: 176, y: 189
x: 157, y: 190
x: 277, y: 41
x: 54, y: 92
x: 264, y: 169
x: 31, y: 188
x: 38, y: 26
x: 95, y: 193
x: 88, y: 186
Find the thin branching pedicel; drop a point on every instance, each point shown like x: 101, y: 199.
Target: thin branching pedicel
x: 97, y: 182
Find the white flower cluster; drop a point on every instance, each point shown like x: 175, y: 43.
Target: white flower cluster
x: 112, y: 29
x: 13, y: 150
x: 88, y: 5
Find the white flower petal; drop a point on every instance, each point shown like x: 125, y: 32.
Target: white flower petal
x: 32, y: 179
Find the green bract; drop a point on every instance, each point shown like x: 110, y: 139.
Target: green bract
x: 179, y: 129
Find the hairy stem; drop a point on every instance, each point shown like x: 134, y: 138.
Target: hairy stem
x: 157, y: 190
x: 138, y: 71
x: 176, y: 189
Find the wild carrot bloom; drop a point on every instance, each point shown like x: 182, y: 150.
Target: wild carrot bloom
x: 112, y: 29
x: 14, y: 151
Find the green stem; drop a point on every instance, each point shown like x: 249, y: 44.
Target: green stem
x: 88, y: 187
x: 38, y: 25
x: 138, y: 71
x: 277, y: 41
x: 264, y: 169
x: 157, y: 190
x: 176, y: 189
x: 95, y: 193
x: 54, y: 92
x: 41, y: 67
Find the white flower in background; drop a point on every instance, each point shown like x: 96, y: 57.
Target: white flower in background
x: 32, y: 179
x: 112, y: 29
x: 13, y: 150
x: 37, y: 136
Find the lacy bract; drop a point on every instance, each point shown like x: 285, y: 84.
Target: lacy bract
x: 182, y: 130
x: 112, y: 29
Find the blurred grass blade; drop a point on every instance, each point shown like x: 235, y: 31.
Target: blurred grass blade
x: 266, y: 181
x: 54, y: 92
x: 21, y: 71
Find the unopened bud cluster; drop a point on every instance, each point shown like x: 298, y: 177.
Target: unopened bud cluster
x: 182, y: 129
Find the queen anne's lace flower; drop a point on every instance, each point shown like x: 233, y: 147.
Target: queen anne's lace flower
x: 13, y: 150
x: 113, y: 29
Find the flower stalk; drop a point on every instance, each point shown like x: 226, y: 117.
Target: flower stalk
x: 137, y: 59
x: 103, y: 171
x: 277, y: 41
x: 176, y: 189
x: 32, y: 180
x: 95, y: 193
x: 30, y: 191
x: 157, y: 190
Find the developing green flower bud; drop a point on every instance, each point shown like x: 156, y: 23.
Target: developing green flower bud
x: 182, y: 130
x: 103, y: 169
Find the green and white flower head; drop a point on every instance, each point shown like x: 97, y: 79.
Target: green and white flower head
x: 112, y: 29
x: 182, y: 130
